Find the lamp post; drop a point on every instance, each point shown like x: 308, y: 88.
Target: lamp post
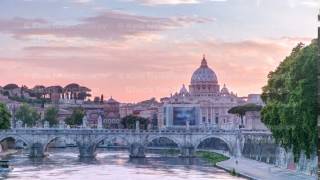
x: 318, y: 64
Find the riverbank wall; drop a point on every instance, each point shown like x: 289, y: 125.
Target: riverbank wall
x: 264, y: 149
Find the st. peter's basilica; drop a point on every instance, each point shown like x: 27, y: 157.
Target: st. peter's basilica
x: 205, y: 104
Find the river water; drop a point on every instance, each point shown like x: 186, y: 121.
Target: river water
x: 64, y: 164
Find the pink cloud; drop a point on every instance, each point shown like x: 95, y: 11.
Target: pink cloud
x: 110, y: 25
x: 150, y: 69
x: 173, y: 2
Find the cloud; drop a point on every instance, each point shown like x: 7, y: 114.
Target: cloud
x: 174, y: 2
x: 158, y: 2
x: 82, y: 1
x: 110, y: 25
x: 137, y: 70
x: 311, y: 3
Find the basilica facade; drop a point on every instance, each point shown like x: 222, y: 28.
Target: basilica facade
x: 205, y: 104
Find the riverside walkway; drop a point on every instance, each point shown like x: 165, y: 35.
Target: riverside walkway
x: 262, y: 171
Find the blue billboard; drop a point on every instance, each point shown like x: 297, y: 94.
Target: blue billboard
x: 183, y: 114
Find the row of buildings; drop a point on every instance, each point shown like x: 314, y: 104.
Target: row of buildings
x: 203, y: 104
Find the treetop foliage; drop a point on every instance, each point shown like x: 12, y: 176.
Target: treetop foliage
x: 129, y: 122
x: 28, y: 115
x: 4, y: 117
x: 51, y: 115
x: 291, y: 101
x: 241, y: 110
x: 76, y: 117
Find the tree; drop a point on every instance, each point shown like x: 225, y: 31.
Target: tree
x: 241, y: 110
x: 291, y: 101
x: 39, y: 91
x: 76, y: 117
x: 96, y: 99
x: 4, y: 117
x: 27, y: 115
x: 129, y: 122
x: 51, y: 115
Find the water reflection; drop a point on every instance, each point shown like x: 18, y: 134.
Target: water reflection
x: 110, y: 164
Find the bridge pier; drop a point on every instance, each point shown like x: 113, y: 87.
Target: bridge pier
x: 237, y: 149
x: 187, y: 151
x: 37, y: 150
x: 86, y: 151
x: 137, y: 150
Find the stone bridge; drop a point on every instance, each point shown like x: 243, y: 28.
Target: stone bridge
x: 87, y: 140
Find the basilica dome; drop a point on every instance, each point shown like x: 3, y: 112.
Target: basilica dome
x: 204, y: 74
x: 204, y: 81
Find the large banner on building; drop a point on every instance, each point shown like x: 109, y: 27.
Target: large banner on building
x: 183, y: 114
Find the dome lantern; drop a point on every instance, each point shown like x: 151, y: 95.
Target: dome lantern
x: 204, y: 62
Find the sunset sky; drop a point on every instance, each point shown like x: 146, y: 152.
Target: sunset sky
x: 138, y: 49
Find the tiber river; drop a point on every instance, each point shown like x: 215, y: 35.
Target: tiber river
x: 64, y: 164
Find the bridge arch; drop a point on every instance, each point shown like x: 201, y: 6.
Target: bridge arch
x: 218, y: 139
x: 16, y: 138
x: 110, y: 138
x: 54, y: 138
x: 172, y: 139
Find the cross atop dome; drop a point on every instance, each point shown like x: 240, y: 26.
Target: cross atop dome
x: 204, y: 61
